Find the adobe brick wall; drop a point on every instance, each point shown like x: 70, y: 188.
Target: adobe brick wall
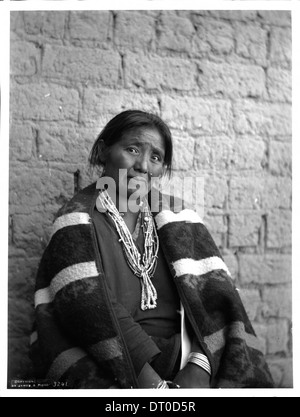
x: 220, y: 79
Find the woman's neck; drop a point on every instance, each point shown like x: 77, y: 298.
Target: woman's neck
x: 129, y: 210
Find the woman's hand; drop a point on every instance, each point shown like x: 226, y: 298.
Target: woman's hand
x: 148, y: 378
x: 192, y: 376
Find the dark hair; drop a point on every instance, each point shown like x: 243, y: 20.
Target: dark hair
x: 125, y: 121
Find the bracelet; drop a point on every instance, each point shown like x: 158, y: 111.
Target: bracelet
x: 172, y: 384
x: 162, y: 385
x: 166, y: 385
x: 200, y: 360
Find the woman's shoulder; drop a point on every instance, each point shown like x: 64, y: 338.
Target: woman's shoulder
x: 160, y: 201
x: 81, y: 202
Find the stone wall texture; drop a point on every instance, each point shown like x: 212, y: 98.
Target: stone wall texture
x: 220, y: 79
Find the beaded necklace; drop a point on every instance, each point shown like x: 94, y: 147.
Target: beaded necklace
x: 142, y: 266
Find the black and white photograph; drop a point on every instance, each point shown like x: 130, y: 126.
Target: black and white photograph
x: 147, y: 160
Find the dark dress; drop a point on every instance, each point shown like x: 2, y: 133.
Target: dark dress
x: 153, y: 335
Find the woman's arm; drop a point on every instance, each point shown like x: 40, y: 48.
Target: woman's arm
x: 148, y: 378
x: 192, y: 375
x: 141, y: 347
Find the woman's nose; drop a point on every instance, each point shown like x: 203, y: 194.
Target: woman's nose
x: 141, y: 164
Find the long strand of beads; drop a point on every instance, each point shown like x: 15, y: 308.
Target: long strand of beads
x: 142, y: 266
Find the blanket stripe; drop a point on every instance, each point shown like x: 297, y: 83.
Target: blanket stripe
x: 66, y: 276
x: 73, y: 273
x: 67, y: 247
x: 64, y: 361
x: 107, y: 349
x: 67, y: 220
x: 167, y: 216
x: 201, y: 267
x: 43, y: 296
x: 217, y: 340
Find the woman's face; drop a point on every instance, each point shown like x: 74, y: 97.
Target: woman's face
x: 140, y: 154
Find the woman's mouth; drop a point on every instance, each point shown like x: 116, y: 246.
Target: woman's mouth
x: 138, y: 183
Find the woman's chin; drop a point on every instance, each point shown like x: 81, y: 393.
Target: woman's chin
x: 139, y: 186
x: 137, y: 191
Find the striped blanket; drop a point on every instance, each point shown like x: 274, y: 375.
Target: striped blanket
x: 77, y: 338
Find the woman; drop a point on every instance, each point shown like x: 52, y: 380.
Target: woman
x: 130, y: 292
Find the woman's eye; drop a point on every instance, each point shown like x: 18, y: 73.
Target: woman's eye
x: 156, y: 158
x: 132, y: 150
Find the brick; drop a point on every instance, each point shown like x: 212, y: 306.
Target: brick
x: 87, y: 25
x: 252, y: 302
x: 279, y: 82
x: 277, y: 193
x: 186, y: 186
x: 248, y: 154
x: 100, y: 105
x: 281, y: 158
x: 33, y: 188
x: 243, y: 15
x: 251, y: 42
x: 86, y: 176
x: 20, y: 317
x: 65, y: 142
x: 281, y: 47
x: 49, y: 23
x: 134, y: 31
x: 260, y: 193
x: 261, y: 333
x: 54, y: 24
x: 277, y: 302
x: 219, y: 153
x: 213, y: 152
x: 24, y: 59
x: 44, y: 102
x: 16, y: 21
x: 175, y: 33
x: 216, y: 192
x: 32, y: 231
x: 183, y: 152
x: 33, y: 22
x: 287, y: 367
x: 209, y: 116
x: 21, y: 141
x: 275, y: 17
x: 212, y: 36
x: 154, y: 73
x: 265, y: 269
x: 282, y: 371
x: 246, y: 193
x: 232, y: 80
x: 82, y: 64
x: 258, y: 118
x: 276, y: 374
x: 277, y: 337
x: 19, y: 363
x: 230, y: 260
x: 244, y: 229
x: 217, y: 227
x: 279, y: 229
x: 21, y: 276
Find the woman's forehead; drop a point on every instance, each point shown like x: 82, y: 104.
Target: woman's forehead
x: 144, y: 135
